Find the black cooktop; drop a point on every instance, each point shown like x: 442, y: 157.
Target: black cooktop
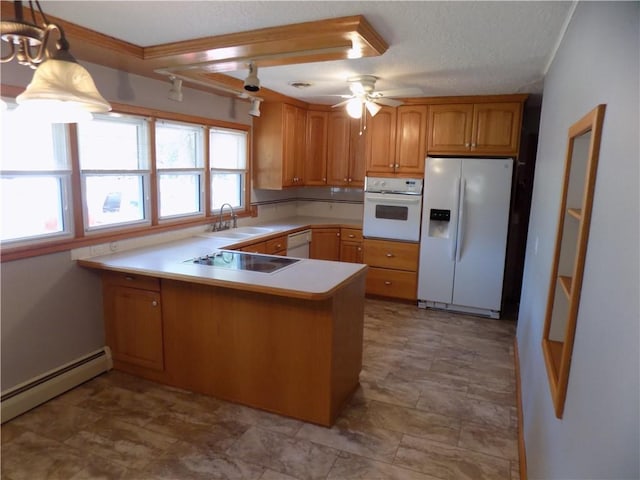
x: 244, y: 261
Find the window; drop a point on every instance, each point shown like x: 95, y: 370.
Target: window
x: 180, y: 166
x: 114, y: 167
x: 35, y: 179
x: 228, y: 163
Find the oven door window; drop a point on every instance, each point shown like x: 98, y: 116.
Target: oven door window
x: 392, y: 212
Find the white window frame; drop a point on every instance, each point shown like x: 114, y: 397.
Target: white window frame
x: 144, y: 154
x: 62, y: 175
x: 244, y: 173
x: 199, y: 170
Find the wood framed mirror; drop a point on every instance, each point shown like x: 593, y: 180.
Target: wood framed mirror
x: 563, y: 301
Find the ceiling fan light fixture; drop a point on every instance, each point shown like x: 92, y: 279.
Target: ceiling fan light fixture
x: 252, y: 82
x: 354, y: 108
x: 372, y: 107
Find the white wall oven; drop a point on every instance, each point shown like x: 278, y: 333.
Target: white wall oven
x: 392, y: 208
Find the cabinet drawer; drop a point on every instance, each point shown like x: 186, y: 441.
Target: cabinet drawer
x: 388, y: 254
x: 260, y: 247
x: 351, y: 234
x: 392, y: 283
x: 276, y: 245
x: 131, y: 280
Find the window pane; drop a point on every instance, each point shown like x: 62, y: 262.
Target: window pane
x: 31, y: 207
x: 111, y: 143
x: 228, y: 149
x: 28, y: 145
x: 179, y: 194
x: 113, y: 199
x: 226, y: 188
x: 178, y: 146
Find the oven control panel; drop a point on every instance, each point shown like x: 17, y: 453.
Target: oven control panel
x: 411, y: 186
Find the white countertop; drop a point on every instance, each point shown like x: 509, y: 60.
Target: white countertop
x: 311, y: 279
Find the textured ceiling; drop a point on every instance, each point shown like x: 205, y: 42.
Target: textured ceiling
x: 443, y: 48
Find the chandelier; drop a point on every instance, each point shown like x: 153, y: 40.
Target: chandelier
x: 61, y: 90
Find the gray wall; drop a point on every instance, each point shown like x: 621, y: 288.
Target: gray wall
x: 51, y: 311
x: 598, y: 436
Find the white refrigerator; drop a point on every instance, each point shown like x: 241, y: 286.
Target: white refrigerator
x: 465, y: 219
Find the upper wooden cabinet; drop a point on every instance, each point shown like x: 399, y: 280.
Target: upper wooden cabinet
x: 345, y: 151
x: 380, y: 150
x: 279, y: 137
x: 475, y: 129
x: 397, y: 140
x: 315, y: 159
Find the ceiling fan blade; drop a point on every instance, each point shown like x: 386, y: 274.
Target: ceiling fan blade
x: 387, y: 101
x: 340, y: 104
x: 398, y: 92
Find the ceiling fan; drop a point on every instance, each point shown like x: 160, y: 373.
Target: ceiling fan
x: 364, y: 94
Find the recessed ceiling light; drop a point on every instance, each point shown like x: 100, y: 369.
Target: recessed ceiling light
x: 300, y: 84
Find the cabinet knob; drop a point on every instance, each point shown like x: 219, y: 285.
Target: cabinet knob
x: 351, y: 235
x: 279, y: 246
x: 387, y: 282
x: 338, y: 234
x: 389, y: 255
x: 391, y: 165
x: 324, y: 179
x: 344, y: 179
x: 466, y: 145
x: 154, y: 303
x: 473, y: 145
x: 397, y: 165
x: 350, y: 180
x: 359, y: 249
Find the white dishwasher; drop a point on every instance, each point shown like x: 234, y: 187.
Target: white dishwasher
x: 298, y: 244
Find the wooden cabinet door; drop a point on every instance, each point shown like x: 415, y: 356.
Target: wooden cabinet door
x: 450, y: 128
x: 351, y: 252
x: 294, y: 120
x: 357, y: 151
x: 338, y: 139
x: 315, y: 164
x: 411, y: 139
x: 133, y: 320
x: 496, y: 128
x: 380, y: 135
x: 325, y: 244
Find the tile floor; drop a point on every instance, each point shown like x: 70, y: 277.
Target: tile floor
x: 437, y: 401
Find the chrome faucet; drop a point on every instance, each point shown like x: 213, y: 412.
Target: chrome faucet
x: 216, y: 227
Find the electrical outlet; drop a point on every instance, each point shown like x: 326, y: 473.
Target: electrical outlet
x: 97, y: 250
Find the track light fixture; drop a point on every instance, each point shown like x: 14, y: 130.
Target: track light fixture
x: 61, y: 90
x: 255, y: 107
x: 252, y: 82
x: 175, y: 93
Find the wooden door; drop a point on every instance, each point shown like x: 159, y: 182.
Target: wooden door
x: 290, y: 145
x: 315, y: 164
x: 411, y: 139
x: 450, y: 128
x: 325, y: 244
x: 338, y: 154
x: 381, y: 141
x: 351, y: 252
x: 133, y: 320
x: 496, y: 128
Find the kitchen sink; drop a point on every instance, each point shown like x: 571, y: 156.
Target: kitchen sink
x: 252, y: 230
x: 233, y: 234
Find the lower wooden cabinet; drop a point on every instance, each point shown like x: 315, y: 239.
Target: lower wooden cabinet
x: 133, y: 320
x: 392, y: 283
x: 393, y: 268
x: 325, y: 244
x: 351, y: 245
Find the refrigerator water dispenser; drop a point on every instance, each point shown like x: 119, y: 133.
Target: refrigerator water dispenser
x: 439, y: 223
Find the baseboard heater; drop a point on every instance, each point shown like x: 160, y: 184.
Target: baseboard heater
x: 42, y: 388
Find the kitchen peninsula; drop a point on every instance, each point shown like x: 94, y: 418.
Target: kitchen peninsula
x: 289, y: 341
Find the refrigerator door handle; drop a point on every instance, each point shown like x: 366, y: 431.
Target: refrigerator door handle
x: 463, y: 184
x: 454, y: 235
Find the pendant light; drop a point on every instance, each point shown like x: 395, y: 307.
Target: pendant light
x: 61, y: 90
